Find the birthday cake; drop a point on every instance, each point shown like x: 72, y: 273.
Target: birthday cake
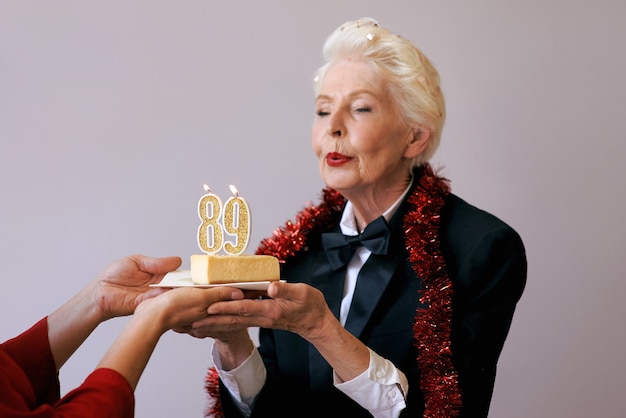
x: 225, y: 269
x: 232, y: 219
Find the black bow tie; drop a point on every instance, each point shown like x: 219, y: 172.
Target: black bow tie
x: 340, y: 248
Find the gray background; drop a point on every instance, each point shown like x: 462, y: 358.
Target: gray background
x: 114, y: 114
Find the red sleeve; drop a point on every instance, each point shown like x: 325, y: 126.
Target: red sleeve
x: 33, y: 362
x: 104, y: 390
x: 29, y: 385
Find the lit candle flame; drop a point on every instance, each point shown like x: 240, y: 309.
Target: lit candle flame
x: 207, y: 188
x: 234, y: 190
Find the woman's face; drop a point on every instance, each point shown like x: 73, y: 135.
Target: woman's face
x: 358, y: 135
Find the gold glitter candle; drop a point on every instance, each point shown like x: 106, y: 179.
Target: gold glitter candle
x: 210, y: 233
x: 236, y: 223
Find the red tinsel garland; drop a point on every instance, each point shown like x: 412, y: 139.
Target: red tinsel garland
x: 439, y: 380
x: 432, y: 326
x: 212, y: 386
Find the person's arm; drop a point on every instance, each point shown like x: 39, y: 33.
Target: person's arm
x: 235, y: 358
x: 234, y: 350
x: 294, y: 307
x: 130, y: 352
x: 116, y: 292
x: 123, y: 288
x: 31, y: 357
x: 494, y: 276
x: 298, y: 308
x: 244, y: 382
x: 108, y: 390
x: 71, y: 324
x: 381, y: 389
x: 302, y: 309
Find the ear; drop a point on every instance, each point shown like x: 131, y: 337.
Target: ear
x: 417, y: 143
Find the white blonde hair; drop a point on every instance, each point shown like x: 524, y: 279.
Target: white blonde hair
x: 412, y: 79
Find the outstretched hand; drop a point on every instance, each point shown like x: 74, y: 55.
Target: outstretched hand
x: 179, y: 307
x: 125, y: 283
x: 117, y: 291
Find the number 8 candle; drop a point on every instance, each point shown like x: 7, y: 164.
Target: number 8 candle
x: 236, y: 223
x: 210, y: 235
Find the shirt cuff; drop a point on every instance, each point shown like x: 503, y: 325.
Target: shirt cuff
x: 243, y: 382
x: 381, y: 389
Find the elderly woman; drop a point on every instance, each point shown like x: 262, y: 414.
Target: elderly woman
x: 399, y: 295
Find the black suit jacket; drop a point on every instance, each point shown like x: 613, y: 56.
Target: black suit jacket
x: 486, y: 262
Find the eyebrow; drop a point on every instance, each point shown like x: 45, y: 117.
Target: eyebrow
x: 352, y: 94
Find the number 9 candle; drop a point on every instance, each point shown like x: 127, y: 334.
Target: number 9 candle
x: 236, y: 223
x: 210, y: 235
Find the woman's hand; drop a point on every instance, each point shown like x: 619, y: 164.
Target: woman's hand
x: 294, y: 307
x: 178, y: 308
x: 130, y: 352
x: 298, y: 308
x: 117, y: 291
x: 124, y: 284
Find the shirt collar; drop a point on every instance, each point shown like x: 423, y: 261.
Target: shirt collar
x: 348, y: 221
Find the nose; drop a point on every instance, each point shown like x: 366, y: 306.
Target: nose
x: 336, y: 128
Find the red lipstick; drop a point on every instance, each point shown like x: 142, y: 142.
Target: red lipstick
x: 334, y: 159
